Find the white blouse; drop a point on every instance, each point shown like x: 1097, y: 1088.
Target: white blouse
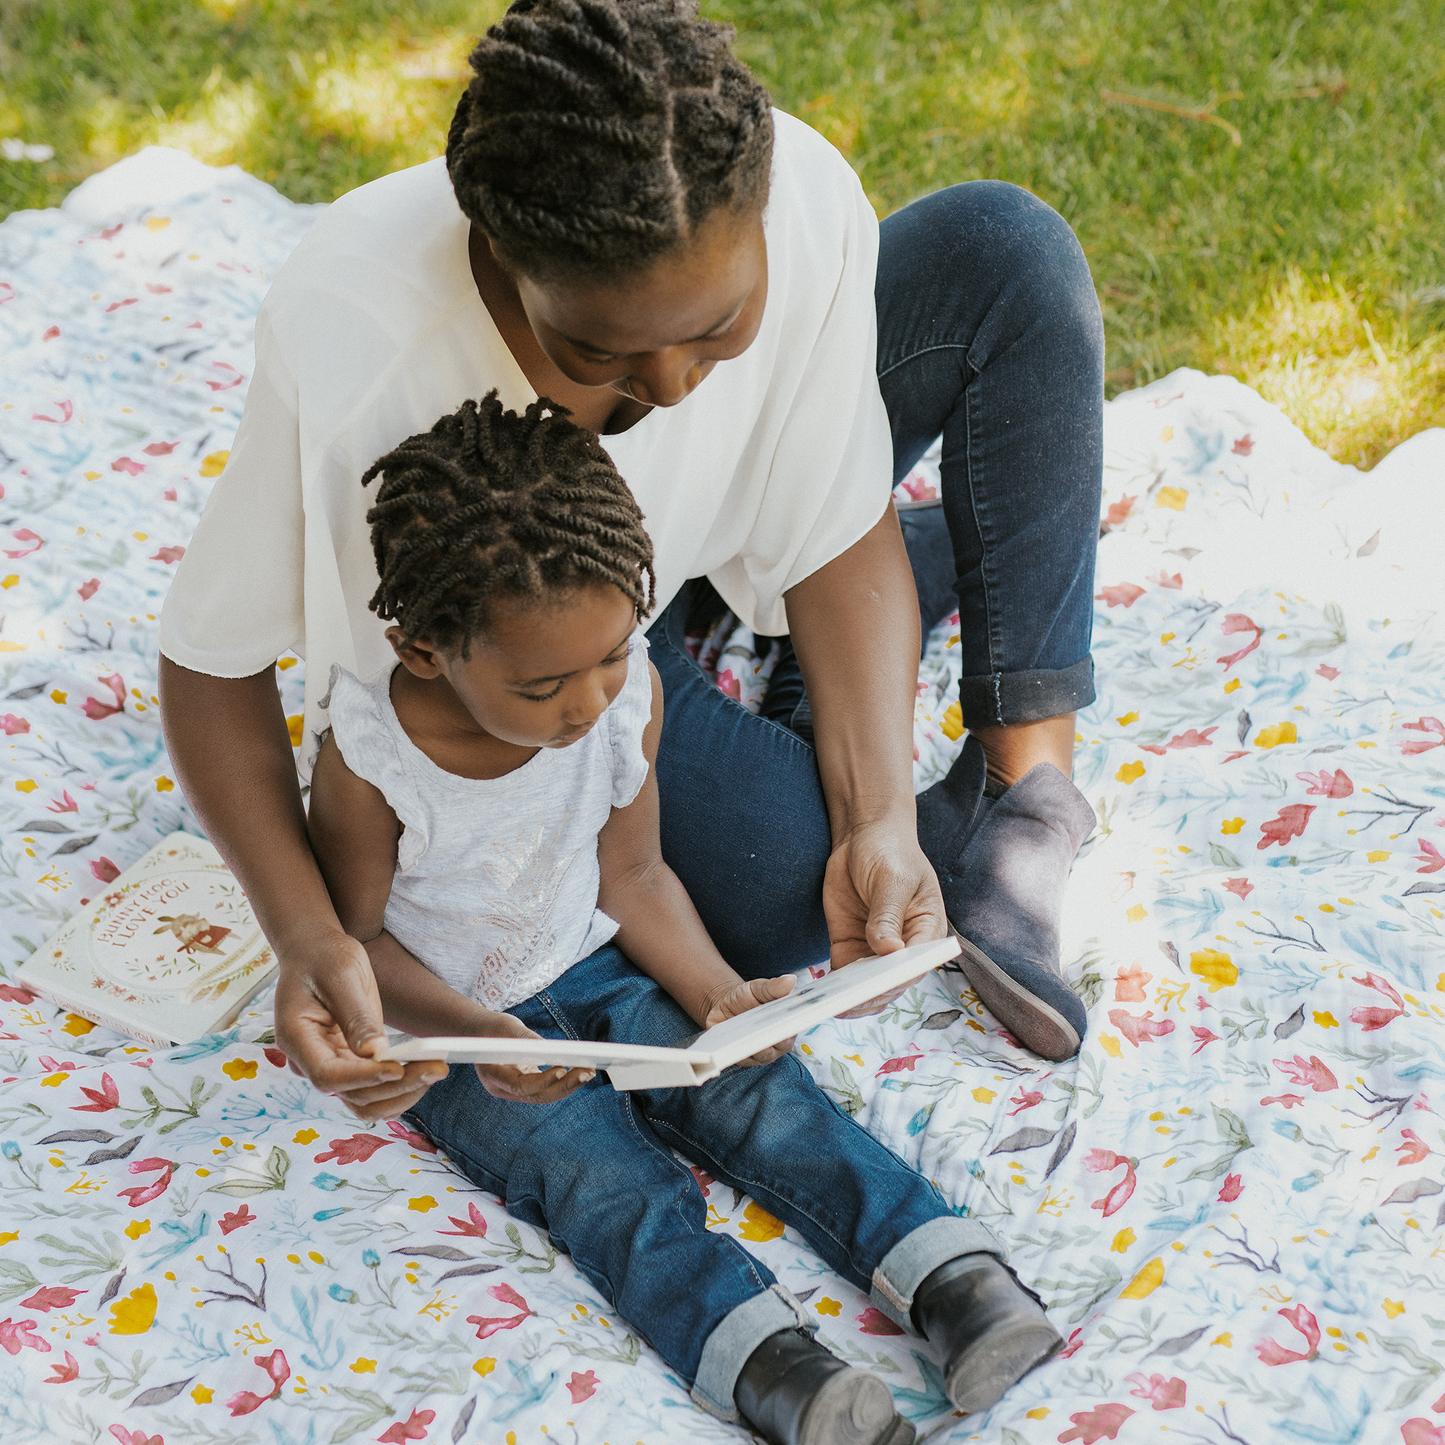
x: 373, y: 329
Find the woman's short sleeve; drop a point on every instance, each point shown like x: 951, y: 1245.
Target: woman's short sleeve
x: 627, y: 720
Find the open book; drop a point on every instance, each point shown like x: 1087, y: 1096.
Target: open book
x: 642, y: 1066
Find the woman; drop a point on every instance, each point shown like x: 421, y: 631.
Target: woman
x: 622, y: 224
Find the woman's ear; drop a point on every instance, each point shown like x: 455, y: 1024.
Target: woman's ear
x: 419, y: 657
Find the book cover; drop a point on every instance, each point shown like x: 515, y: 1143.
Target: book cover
x: 169, y: 952
x: 644, y: 1066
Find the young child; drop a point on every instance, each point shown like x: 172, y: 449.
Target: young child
x: 486, y: 819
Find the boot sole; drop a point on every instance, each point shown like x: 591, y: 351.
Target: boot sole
x: 1035, y: 1024
x: 980, y: 1377
x: 854, y: 1408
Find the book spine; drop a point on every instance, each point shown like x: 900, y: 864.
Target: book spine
x: 97, y: 1016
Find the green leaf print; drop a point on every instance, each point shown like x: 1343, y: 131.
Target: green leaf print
x: 1233, y: 1136
x: 271, y: 1176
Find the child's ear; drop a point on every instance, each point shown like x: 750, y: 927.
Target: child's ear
x: 419, y: 657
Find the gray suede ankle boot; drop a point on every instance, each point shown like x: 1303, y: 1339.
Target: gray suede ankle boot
x: 1002, y: 864
x: 793, y: 1391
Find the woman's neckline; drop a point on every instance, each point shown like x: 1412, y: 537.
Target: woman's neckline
x: 505, y: 311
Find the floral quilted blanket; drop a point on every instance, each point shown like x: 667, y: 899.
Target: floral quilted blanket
x: 1233, y: 1201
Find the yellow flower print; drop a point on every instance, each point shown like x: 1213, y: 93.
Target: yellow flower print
x: 1145, y: 1282
x: 1130, y: 772
x: 134, y: 1314
x: 1216, y: 969
x: 759, y: 1226
x: 1231, y: 825
x: 239, y: 1069
x: 1275, y: 734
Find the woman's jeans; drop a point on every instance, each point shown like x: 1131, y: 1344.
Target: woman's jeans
x: 597, y: 1172
x: 988, y: 333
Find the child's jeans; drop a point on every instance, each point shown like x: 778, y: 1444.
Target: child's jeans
x: 597, y: 1172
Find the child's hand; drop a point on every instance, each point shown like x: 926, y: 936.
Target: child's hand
x: 745, y: 995
x: 524, y: 1085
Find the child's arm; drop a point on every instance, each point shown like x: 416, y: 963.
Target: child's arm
x: 658, y: 927
x: 354, y: 835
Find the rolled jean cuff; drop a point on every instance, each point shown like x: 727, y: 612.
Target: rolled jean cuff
x: 918, y: 1254
x: 734, y: 1339
x: 1002, y: 698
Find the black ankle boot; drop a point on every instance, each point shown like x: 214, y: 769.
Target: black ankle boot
x: 795, y: 1392
x: 988, y: 1328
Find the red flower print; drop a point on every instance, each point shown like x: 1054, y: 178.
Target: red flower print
x: 1120, y: 594
x: 98, y: 711
x: 67, y: 804
x: 35, y: 541
x: 65, y: 408
x: 1104, y: 1161
x: 103, y: 870
x: 1075, y: 1344
x: 1193, y: 738
x: 169, y: 554
x: 1025, y: 1099
x: 129, y: 467
x: 1100, y: 1423
x: 11, y: 994
x: 237, y: 1218
x: 875, y: 1322
x: 413, y: 1429
x: 160, y: 449
x: 1430, y: 857
x: 1421, y: 725
x: 234, y: 378
x: 728, y: 683
x: 1420, y: 1431
x: 504, y: 1294
x: 582, y: 1386
x: 17, y: 1335
x: 143, y: 1193
x: 102, y: 1099
x: 1117, y: 514
x: 1289, y: 824
x: 1271, y: 1352
x: 1240, y: 887
x: 11, y: 725
x: 1325, y: 784
x: 64, y: 1374
x: 705, y: 1181
x: 243, y: 1402
x: 1129, y: 984
x: 52, y: 1297
x: 1204, y: 1036
x: 1140, y: 1030
x: 1238, y: 622
x: 1414, y: 1149
x: 276, y: 1058
x: 1315, y: 1073
x: 87, y: 590
x: 475, y: 1227
x: 1327, y: 672
x: 904, y: 1061
x: 1371, y: 1019
x: 357, y: 1149
x: 407, y: 1136
x: 1243, y: 446
x: 1165, y: 1394
x: 1173, y: 583
x: 1288, y: 1100
x: 127, y: 1436
x: 1231, y: 1189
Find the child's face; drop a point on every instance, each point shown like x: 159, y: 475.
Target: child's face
x: 543, y: 672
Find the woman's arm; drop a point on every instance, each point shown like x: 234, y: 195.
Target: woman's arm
x: 854, y: 625
x: 354, y: 835
x: 232, y: 755
x: 658, y: 927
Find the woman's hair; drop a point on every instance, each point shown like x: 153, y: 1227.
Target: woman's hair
x: 598, y: 134
x: 490, y: 504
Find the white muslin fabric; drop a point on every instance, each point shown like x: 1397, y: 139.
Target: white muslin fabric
x: 373, y: 329
x: 496, y: 878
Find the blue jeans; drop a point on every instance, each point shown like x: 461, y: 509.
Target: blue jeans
x: 597, y: 1172
x: 988, y: 333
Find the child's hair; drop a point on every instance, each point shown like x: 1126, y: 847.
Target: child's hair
x: 598, y: 134
x: 490, y: 504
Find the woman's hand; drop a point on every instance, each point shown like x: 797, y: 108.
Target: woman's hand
x: 523, y: 1084
x: 745, y: 995
x: 880, y: 894
x: 328, y: 1023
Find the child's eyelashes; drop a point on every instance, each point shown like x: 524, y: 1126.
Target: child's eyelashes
x: 614, y: 661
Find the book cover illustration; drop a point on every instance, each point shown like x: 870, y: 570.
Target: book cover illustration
x: 169, y: 952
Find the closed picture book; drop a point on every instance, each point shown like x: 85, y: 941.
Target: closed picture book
x: 168, y: 952
x: 643, y: 1066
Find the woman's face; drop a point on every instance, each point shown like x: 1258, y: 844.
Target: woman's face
x: 655, y: 336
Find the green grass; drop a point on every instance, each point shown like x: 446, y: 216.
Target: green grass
x: 1304, y: 259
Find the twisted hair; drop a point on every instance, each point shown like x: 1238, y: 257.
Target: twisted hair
x: 490, y: 504
x: 597, y: 134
